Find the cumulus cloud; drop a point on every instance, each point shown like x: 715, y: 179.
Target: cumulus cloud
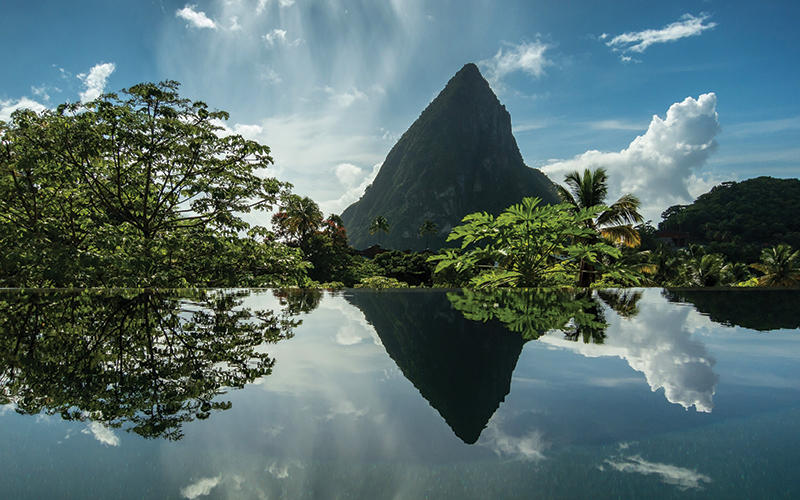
x: 8, y: 107
x: 679, y: 476
x: 196, y: 19
x: 346, y: 99
x: 638, y: 41
x: 355, y: 182
x: 527, y: 56
x: 200, y: 488
x: 95, y: 81
x: 660, y: 167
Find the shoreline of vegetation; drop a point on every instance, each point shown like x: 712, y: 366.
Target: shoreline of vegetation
x: 146, y: 189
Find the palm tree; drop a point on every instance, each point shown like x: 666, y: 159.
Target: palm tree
x: 377, y: 225
x: 614, y: 224
x: 303, y: 216
x: 781, y: 266
x: 428, y: 228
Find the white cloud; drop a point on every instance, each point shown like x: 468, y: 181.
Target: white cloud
x: 235, y: 26
x: 355, y: 182
x: 278, y: 37
x: 102, y: 433
x: 660, y: 166
x: 346, y: 99
x: 95, y: 81
x: 639, y: 41
x: 8, y: 107
x: 200, y: 488
x: 531, y: 446
x: 658, y: 344
x: 262, y: 4
x: 6, y: 408
x: 196, y: 19
x: 527, y: 56
x: 679, y: 476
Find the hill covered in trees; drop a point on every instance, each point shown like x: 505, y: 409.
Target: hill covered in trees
x: 459, y: 157
x: 739, y: 219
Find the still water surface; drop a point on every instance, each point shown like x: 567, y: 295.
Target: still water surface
x: 421, y: 394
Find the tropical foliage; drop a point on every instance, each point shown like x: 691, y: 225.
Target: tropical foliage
x: 614, y: 223
x: 377, y: 225
x: 525, y: 246
x: 780, y: 267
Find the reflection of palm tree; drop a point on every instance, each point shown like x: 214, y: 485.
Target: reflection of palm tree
x: 428, y: 228
x: 377, y: 225
x: 781, y: 266
x: 615, y: 224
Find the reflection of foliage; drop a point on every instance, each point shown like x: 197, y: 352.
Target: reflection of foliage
x: 533, y: 313
x: 299, y: 300
x: 761, y: 309
x: 143, y: 360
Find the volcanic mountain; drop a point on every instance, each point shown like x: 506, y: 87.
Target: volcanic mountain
x: 459, y: 157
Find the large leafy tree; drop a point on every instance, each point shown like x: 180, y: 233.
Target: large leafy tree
x: 525, y: 246
x: 120, y: 182
x: 614, y: 223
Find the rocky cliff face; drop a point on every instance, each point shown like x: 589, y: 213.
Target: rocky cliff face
x: 459, y: 157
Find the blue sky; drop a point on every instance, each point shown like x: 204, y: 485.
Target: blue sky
x: 671, y: 97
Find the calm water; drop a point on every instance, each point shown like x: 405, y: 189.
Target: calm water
x: 403, y: 395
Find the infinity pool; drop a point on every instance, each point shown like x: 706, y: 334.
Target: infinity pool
x: 239, y: 394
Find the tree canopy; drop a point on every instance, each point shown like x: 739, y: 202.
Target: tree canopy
x: 140, y: 188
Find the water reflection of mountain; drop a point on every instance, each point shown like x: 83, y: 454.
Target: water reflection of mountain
x: 761, y: 309
x: 462, y: 367
x: 140, y: 360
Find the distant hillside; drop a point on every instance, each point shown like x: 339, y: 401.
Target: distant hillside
x: 459, y: 157
x: 738, y: 219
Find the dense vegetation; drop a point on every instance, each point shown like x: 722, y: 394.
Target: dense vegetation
x: 147, y: 190
x: 739, y: 219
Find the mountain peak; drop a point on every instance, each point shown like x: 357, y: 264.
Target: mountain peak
x: 459, y: 157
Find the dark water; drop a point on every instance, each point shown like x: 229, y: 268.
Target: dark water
x: 423, y: 394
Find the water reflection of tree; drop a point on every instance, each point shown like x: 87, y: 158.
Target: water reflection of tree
x: 761, y: 309
x: 532, y: 313
x: 298, y: 300
x: 144, y: 361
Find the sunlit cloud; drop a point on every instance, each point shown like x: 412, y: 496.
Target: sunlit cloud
x: 95, y: 81
x: 355, y: 182
x: 660, y: 166
x: 528, y: 57
x: 196, y: 19
x: 638, y: 41
x: 679, y: 476
x: 201, y: 487
x: 8, y: 107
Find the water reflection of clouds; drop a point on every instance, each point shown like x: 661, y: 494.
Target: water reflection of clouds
x: 201, y: 487
x: 530, y: 446
x: 681, y: 477
x: 657, y: 343
x: 101, y: 433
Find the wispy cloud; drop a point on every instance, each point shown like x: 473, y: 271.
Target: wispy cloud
x: 679, y: 476
x: 102, y: 433
x: 95, y: 81
x: 196, y: 19
x: 278, y: 37
x: 638, y: 41
x: 527, y: 56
